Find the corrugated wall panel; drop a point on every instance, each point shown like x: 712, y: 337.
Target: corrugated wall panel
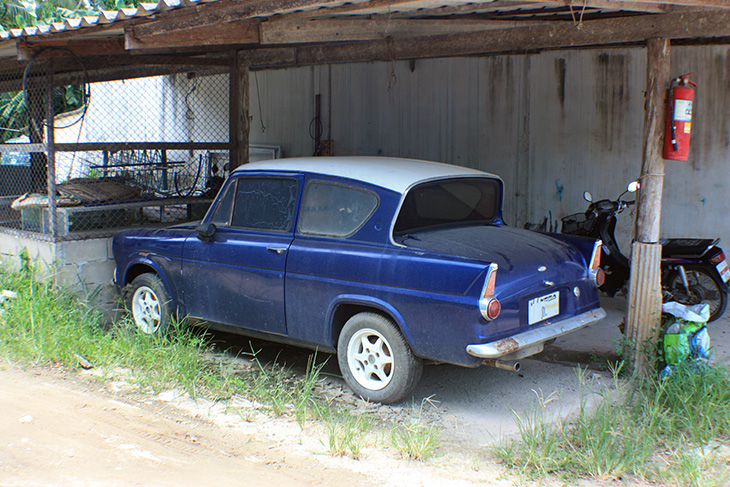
x: 586, y: 121
x: 696, y: 192
x: 552, y: 125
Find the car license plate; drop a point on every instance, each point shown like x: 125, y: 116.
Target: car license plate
x: 723, y: 270
x: 544, y: 307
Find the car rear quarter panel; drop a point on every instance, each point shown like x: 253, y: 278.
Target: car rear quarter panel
x: 433, y: 299
x: 159, y: 250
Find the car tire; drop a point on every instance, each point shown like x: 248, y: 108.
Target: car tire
x: 149, y: 304
x: 375, y: 359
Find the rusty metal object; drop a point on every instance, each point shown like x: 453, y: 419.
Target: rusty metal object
x: 504, y: 365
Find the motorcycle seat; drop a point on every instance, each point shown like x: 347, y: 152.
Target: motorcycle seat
x: 686, y: 247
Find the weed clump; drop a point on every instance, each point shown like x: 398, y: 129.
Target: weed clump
x: 659, y: 430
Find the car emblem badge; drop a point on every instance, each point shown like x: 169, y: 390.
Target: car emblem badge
x: 542, y: 268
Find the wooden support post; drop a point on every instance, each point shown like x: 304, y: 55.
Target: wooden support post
x: 239, y: 122
x: 645, y: 293
x: 51, y: 152
x: 34, y: 96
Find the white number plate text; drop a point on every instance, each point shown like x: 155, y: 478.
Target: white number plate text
x: 544, y: 307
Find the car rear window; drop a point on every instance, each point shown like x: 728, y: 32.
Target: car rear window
x: 335, y: 210
x: 449, y: 202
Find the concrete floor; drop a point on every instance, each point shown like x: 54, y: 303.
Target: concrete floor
x: 601, y: 339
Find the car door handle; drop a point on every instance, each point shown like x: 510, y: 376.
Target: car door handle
x: 278, y: 250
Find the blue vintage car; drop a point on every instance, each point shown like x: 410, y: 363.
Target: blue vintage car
x: 387, y: 262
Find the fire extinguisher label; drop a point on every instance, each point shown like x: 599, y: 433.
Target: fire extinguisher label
x: 683, y: 110
x: 687, y: 127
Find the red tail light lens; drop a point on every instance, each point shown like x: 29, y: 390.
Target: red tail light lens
x: 718, y: 258
x: 600, y: 277
x: 493, y: 309
x: 489, y: 306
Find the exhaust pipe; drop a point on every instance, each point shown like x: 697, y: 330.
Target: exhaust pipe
x: 504, y: 365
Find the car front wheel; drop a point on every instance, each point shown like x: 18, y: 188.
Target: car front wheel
x: 150, y: 304
x: 375, y: 359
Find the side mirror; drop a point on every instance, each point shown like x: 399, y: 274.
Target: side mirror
x: 633, y: 186
x: 588, y: 196
x: 206, y: 231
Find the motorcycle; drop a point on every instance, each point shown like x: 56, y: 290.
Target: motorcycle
x: 693, y: 270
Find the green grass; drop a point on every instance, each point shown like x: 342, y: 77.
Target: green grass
x: 347, y: 433
x: 416, y: 439
x: 640, y: 429
x: 673, y: 432
x: 45, y: 325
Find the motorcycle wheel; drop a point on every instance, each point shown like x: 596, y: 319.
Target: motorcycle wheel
x: 704, y: 287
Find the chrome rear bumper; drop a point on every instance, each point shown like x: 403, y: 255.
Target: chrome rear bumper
x: 534, y: 337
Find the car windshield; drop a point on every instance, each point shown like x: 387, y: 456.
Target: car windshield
x: 449, y: 202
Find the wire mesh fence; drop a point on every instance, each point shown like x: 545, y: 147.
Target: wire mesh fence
x: 87, y: 158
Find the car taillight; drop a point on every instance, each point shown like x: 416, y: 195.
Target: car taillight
x: 597, y: 275
x: 718, y: 258
x: 489, y: 306
x: 600, y: 277
x: 596, y: 257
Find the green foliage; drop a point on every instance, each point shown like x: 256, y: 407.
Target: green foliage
x: 13, y: 115
x: 16, y: 14
x: 346, y: 433
x: 416, y: 438
x: 19, y: 13
x: 635, y: 428
x: 115, y: 4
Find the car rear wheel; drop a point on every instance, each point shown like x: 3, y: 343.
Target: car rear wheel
x: 375, y: 359
x: 150, y: 304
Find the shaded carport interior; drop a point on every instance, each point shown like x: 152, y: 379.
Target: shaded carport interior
x: 236, y: 37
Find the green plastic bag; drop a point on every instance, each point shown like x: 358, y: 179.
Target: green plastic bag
x: 677, y: 344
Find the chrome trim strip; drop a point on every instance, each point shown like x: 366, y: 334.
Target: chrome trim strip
x: 534, y: 336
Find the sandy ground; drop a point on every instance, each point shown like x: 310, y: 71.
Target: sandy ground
x: 69, y: 429
x: 59, y: 430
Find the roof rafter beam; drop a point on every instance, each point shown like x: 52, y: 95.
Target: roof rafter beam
x: 546, y: 35
x: 230, y: 33
x: 225, y: 11
x: 637, y: 4
x: 334, y: 30
x: 82, y: 47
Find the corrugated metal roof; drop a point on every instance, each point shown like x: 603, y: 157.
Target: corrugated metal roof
x: 104, y: 17
x: 534, y: 9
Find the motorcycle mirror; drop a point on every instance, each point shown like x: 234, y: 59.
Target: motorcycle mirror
x: 588, y: 196
x: 633, y: 186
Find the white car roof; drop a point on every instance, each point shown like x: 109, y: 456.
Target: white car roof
x: 395, y: 174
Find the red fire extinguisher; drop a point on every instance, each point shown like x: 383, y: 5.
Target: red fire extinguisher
x: 679, y: 118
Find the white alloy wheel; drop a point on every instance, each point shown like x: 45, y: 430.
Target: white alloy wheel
x: 146, y: 309
x: 370, y: 359
x: 148, y: 300
x: 375, y: 360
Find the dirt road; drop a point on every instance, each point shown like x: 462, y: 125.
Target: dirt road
x: 57, y: 430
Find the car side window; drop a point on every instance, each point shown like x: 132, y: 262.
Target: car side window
x: 222, y: 215
x: 335, y: 210
x: 263, y: 203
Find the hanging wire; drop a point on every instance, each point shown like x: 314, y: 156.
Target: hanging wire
x: 189, y: 114
x: 258, y: 97
x: 85, y: 91
x: 579, y: 22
